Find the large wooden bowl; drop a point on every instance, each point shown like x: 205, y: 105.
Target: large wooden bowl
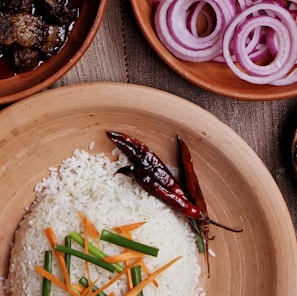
x: 39, y: 132
x: 211, y: 76
x: 15, y: 87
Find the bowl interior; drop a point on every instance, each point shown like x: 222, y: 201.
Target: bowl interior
x: 214, y: 77
x: 262, y: 260
x: 14, y: 87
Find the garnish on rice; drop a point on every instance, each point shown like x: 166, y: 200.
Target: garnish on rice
x: 128, y: 262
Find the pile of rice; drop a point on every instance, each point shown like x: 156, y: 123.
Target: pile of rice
x: 87, y: 183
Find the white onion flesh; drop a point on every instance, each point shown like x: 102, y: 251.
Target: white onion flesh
x: 256, y: 39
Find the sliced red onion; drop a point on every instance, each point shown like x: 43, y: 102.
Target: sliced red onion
x: 170, y: 23
x: 239, y: 32
x: 193, y: 14
x: 177, y: 11
x: 288, y: 79
x: 286, y: 30
x: 241, y: 54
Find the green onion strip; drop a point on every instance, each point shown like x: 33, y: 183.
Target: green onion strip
x: 93, y: 249
x: 81, y: 255
x: 67, y: 257
x: 46, y: 284
x: 136, y: 277
x: 128, y: 243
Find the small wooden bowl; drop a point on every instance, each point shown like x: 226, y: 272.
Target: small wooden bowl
x: 211, y: 76
x: 238, y: 188
x: 18, y: 86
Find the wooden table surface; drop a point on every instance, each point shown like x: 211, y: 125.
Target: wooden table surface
x: 120, y: 53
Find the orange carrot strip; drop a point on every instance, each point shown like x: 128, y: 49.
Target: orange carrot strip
x: 138, y: 288
x: 88, y: 289
x: 127, y: 255
x: 147, y: 272
x: 126, y: 232
x: 49, y: 232
x: 89, y: 227
x: 77, y: 288
x: 41, y: 271
x: 49, y: 276
x: 111, y: 294
x: 113, y: 280
x: 129, y: 227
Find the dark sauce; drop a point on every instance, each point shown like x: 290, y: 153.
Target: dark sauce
x: 7, y: 67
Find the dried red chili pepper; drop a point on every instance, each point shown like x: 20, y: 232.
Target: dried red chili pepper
x: 143, y: 157
x: 190, y: 185
x: 153, y: 175
x: 176, y: 199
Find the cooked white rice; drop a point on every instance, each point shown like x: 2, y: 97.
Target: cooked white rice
x: 87, y: 183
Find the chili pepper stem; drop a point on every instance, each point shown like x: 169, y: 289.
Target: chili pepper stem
x: 224, y: 226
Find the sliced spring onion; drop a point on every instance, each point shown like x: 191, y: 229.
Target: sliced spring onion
x: 92, y: 249
x: 86, y: 257
x: 119, y: 240
x: 200, y: 244
x: 85, y: 283
x: 136, y: 277
x: 46, y: 284
x: 67, y: 257
x: 199, y: 240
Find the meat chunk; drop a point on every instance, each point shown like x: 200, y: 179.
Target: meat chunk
x: 25, y: 58
x: 30, y: 30
x: 56, y: 37
x: 7, y: 32
x: 56, y: 11
x: 17, y: 5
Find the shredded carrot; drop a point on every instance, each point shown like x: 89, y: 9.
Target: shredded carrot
x: 88, y: 289
x: 49, y: 232
x: 125, y: 230
x: 77, y: 288
x: 148, y: 273
x: 89, y: 227
x: 113, y: 280
x: 49, y: 276
x: 127, y: 255
x: 41, y: 271
x: 138, y: 288
x: 128, y: 227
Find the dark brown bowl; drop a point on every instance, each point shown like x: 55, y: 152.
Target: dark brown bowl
x: 18, y: 86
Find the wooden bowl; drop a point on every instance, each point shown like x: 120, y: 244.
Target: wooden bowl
x: 15, y: 87
x: 239, y: 190
x: 211, y: 76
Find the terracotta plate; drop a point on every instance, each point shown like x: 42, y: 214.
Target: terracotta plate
x: 39, y: 132
x: 214, y: 77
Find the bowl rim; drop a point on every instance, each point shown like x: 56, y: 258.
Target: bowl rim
x: 109, y: 96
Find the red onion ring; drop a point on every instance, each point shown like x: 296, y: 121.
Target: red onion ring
x: 287, y: 51
x: 196, y: 49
